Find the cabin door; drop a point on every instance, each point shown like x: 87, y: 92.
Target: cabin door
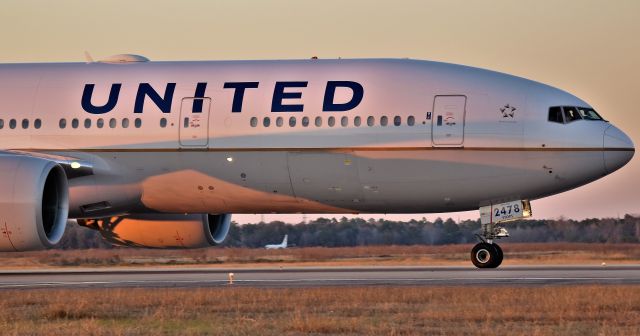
x: 194, y: 122
x: 447, y: 126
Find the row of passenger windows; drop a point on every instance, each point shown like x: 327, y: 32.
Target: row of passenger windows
x: 13, y: 123
x: 75, y: 123
x: 266, y: 122
x: 100, y: 123
x: 331, y: 121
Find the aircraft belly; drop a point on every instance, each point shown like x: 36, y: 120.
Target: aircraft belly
x: 394, y: 181
x: 457, y: 180
x: 327, y: 178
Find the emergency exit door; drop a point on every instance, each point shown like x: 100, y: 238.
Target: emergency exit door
x: 194, y: 122
x: 448, y: 120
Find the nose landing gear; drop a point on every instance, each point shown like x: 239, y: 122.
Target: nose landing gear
x: 488, y: 254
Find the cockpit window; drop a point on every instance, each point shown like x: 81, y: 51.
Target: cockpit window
x: 555, y: 114
x: 567, y: 114
x: 571, y: 114
x: 589, y: 113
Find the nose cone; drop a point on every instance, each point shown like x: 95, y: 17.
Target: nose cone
x: 618, y: 149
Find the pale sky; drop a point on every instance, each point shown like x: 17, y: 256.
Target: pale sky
x: 589, y: 48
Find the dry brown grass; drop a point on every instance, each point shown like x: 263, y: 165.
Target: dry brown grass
x: 515, y: 253
x: 579, y: 310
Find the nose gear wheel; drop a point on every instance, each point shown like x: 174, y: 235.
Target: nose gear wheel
x: 486, y: 255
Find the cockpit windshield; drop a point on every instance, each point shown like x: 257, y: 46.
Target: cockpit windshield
x: 567, y: 114
x: 571, y: 114
x: 589, y: 113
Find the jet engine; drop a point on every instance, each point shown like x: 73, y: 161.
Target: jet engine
x: 163, y: 230
x: 34, y: 203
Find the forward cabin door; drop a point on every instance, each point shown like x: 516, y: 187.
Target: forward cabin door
x: 447, y: 126
x: 194, y: 122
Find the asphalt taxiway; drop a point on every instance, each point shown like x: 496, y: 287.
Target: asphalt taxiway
x: 318, y: 276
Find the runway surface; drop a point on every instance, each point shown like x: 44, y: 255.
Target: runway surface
x: 318, y: 276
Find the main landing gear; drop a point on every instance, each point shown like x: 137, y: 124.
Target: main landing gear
x: 488, y: 254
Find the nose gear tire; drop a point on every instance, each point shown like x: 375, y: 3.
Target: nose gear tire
x: 485, y: 255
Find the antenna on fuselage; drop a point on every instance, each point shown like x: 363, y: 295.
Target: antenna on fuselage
x: 88, y: 57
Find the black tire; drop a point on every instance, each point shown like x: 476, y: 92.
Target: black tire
x: 484, y: 255
x: 500, y: 255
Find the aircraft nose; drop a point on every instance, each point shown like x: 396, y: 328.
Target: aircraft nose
x: 618, y: 149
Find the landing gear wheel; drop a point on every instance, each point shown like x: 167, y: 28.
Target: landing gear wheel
x: 485, y: 255
x: 500, y: 255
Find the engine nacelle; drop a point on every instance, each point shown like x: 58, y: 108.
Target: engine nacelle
x: 34, y: 203
x: 163, y: 230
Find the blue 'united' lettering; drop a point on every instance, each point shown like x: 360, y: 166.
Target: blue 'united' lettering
x: 88, y: 106
x: 287, y: 96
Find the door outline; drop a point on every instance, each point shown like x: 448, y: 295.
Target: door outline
x: 435, y: 117
x: 187, y: 103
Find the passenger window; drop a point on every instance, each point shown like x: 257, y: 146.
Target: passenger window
x: 25, y: 123
x: 75, y: 123
x: 279, y: 122
x: 305, y: 121
x: 371, y: 121
x: 266, y: 122
x: 253, y: 122
x: 1, y: 123
x: 357, y: 121
x: 292, y: 122
x: 63, y: 123
x: 112, y: 123
x: 411, y: 121
x: 555, y: 114
x: 397, y: 121
x: 12, y: 123
x: 87, y: 123
x: 344, y: 121
x: 571, y: 114
x: 100, y: 123
x: 318, y: 121
x: 138, y: 122
x: 125, y: 123
x: 37, y: 123
x: 331, y: 122
x: 384, y: 120
x: 163, y: 122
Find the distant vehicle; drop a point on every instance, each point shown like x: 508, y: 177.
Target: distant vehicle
x: 282, y: 245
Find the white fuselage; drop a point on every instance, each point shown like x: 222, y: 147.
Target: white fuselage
x: 455, y: 137
x: 282, y: 245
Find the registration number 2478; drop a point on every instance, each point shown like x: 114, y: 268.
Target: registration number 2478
x: 507, y: 210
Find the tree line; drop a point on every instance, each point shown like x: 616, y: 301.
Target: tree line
x: 332, y: 232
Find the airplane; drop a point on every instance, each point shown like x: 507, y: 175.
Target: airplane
x: 282, y: 245
x: 160, y: 154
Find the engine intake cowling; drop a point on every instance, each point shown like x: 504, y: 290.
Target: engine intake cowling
x: 163, y: 230
x: 34, y: 203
